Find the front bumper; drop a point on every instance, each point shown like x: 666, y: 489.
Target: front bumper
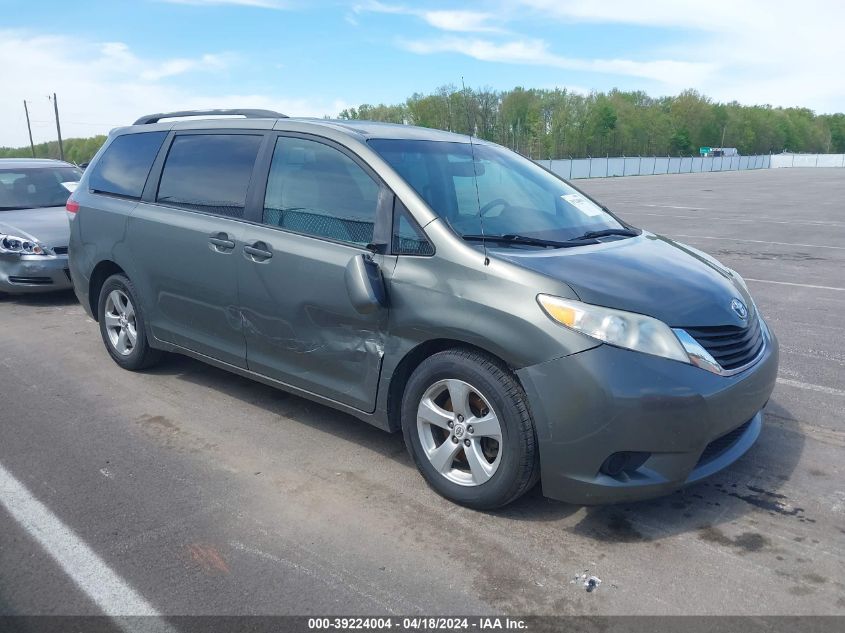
x: 606, y: 400
x: 20, y: 274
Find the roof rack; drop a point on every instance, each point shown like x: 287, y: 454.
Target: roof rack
x: 248, y: 113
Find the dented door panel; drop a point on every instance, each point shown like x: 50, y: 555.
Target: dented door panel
x: 299, y: 323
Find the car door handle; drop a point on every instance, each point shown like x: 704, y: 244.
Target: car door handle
x: 258, y: 251
x: 222, y: 242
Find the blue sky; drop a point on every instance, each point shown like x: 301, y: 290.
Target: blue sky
x: 110, y: 62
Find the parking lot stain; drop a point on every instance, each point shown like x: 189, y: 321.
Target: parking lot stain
x: 171, y: 436
x: 815, y: 578
x: 208, y: 558
x: 159, y: 421
x: 746, y: 542
x: 801, y: 590
x: 616, y: 528
x: 773, y: 502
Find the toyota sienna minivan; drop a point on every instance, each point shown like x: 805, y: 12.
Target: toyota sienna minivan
x: 512, y: 327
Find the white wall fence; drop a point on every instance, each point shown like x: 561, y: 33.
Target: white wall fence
x: 605, y: 167
x: 808, y: 160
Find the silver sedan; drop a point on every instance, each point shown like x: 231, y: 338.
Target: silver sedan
x: 34, y: 229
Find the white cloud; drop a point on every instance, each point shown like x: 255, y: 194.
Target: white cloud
x: 172, y: 67
x: 766, y: 51
x: 459, y: 20
x: 106, y: 85
x: 535, y: 52
x: 443, y: 19
x: 712, y: 15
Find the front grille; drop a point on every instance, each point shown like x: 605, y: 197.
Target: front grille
x: 60, y: 250
x: 730, y: 346
x: 721, y: 444
x: 32, y: 281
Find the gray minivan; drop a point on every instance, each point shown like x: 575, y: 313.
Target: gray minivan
x: 511, y: 327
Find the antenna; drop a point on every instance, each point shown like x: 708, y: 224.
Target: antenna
x: 475, y: 173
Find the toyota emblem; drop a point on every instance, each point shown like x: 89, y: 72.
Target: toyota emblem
x: 740, y: 309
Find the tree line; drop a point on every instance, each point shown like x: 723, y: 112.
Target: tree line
x: 77, y: 150
x: 559, y: 123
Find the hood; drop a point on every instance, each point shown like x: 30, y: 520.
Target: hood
x: 48, y: 226
x: 647, y: 274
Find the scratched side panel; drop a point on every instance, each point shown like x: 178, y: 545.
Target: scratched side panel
x: 299, y: 323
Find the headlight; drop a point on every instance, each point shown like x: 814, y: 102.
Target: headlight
x: 21, y: 245
x: 624, y: 329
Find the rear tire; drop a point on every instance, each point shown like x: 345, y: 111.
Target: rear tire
x: 481, y: 451
x: 122, y: 325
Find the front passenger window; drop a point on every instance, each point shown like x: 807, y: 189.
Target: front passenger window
x: 317, y: 190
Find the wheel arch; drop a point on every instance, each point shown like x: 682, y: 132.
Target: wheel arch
x: 412, y: 359
x: 101, y: 272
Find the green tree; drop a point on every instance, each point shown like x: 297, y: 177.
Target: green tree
x: 544, y: 123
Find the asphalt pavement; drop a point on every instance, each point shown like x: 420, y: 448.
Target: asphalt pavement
x: 187, y: 490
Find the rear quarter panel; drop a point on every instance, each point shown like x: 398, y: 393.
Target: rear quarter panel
x: 98, y: 234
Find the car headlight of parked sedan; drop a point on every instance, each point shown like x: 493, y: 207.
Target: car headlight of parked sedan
x: 20, y: 245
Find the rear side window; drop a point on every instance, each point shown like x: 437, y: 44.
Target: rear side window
x: 209, y: 172
x: 317, y: 190
x: 123, y: 168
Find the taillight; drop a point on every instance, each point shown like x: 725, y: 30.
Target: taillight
x: 72, y: 205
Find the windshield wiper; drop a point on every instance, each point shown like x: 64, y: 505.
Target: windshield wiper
x: 512, y: 238
x: 591, y: 235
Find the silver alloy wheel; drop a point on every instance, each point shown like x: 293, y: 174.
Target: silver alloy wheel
x: 459, y: 432
x: 120, y: 322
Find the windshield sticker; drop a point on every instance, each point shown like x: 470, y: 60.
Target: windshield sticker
x: 70, y: 185
x: 585, y: 205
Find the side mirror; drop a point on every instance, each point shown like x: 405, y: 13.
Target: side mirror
x: 364, y: 284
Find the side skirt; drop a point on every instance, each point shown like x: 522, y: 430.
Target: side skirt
x: 376, y: 419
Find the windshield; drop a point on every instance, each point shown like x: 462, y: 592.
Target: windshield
x: 33, y: 188
x: 515, y: 196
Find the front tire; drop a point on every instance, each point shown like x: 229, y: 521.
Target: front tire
x: 468, y: 427
x: 122, y: 325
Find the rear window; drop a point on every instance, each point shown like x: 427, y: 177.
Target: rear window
x: 123, y: 168
x: 33, y: 188
x: 209, y: 172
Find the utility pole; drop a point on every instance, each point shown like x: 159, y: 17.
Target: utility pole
x: 29, y: 128
x: 724, y: 127
x: 58, y: 127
